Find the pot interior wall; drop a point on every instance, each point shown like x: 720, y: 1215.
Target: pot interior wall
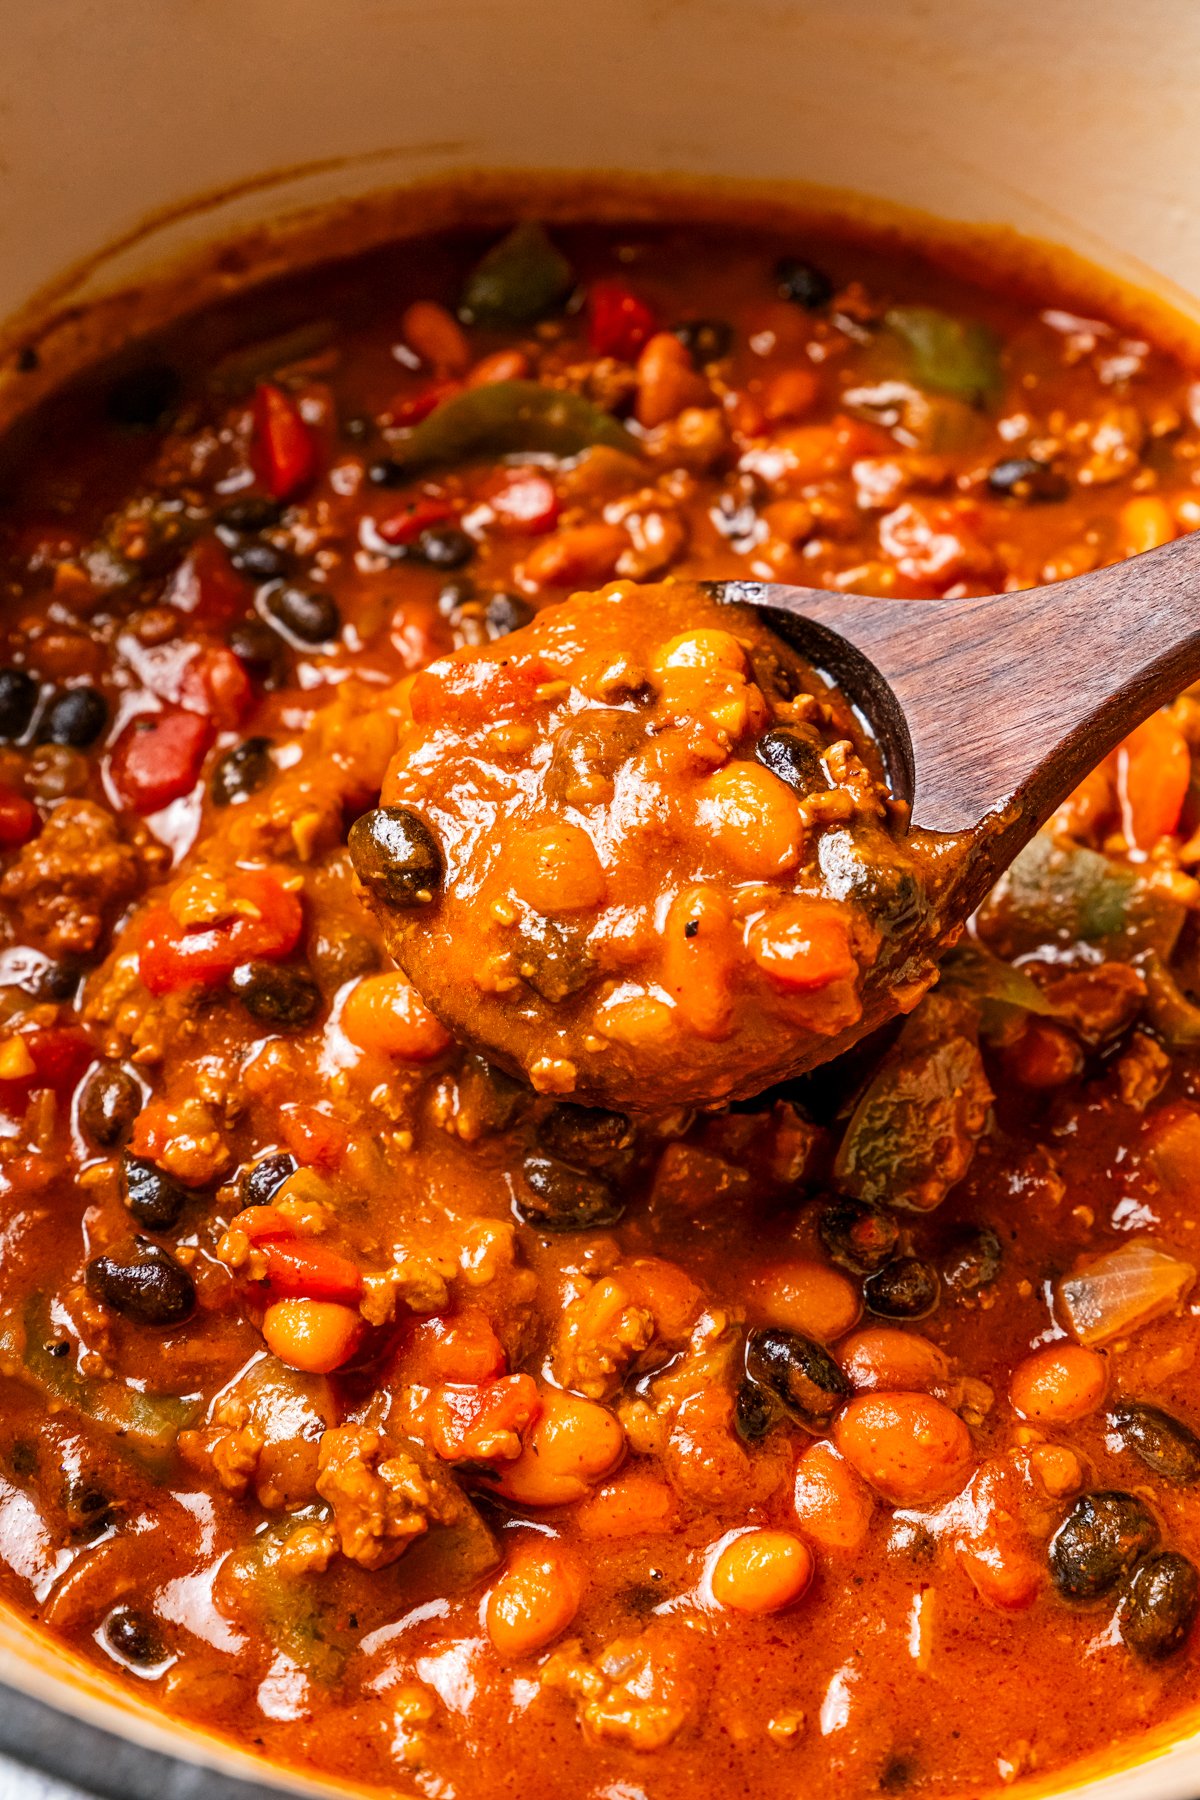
x: 1073, y: 122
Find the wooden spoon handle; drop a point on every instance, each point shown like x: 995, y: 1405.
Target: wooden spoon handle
x: 1006, y: 701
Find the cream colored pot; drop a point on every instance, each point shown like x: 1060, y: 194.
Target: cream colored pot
x: 1074, y: 121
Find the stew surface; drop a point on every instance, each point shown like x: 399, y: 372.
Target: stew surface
x: 397, y: 1420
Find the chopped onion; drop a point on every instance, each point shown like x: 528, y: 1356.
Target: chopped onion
x: 1120, y: 1292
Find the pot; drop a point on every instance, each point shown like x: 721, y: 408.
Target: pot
x: 135, y: 137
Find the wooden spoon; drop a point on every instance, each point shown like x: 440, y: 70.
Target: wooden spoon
x: 989, y: 711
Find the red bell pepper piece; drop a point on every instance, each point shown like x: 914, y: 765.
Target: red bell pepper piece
x: 313, y: 1137
x: 619, y: 322
x: 484, y: 1423
x: 412, y: 408
x: 284, y: 451
x: 172, y: 956
x: 406, y: 524
x: 207, y: 586
x: 215, y: 683
x: 302, y: 1270
x: 158, y: 757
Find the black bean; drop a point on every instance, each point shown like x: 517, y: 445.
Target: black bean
x: 134, y: 1636
x: 242, y: 771
x: 259, y: 650
x: 23, y: 1458
x: 1027, y: 478
x: 261, y: 562
x: 28, y: 359
x: 340, y: 955
x: 18, y: 697
x: 453, y: 595
x: 111, y: 1100
x: 1159, y: 1605
x: 858, y: 1236
x: 972, y: 1259
x: 800, y: 1374
x: 304, y: 615
x: 861, y: 866
x: 505, y: 613
x: 143, y: 398
x: 87, y: 1506
x: 794, y: 756
x: 276, y: 993
x: 486, y: 1100
x: 734, y: 512
x: 904, y: 1289
x: 754, y: 1412
x: 54, y: 980
x: 803, y: 283
x: 708, y: 340
x: 75, y: 717
x: 262, y: 1180
x: 155, y: 1200
x: 396, y: 856
x: 586, y: 1136
x: 554, y: 957
x: 388, y: 474
x: 559, y: 1198
x: 1166, y: 1445
x: 144, y: 1284
x: 1098, y: 1542
x: 445, y: 547
x: 253, y: 512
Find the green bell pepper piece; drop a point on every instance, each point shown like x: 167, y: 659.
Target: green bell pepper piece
x: 510, y: 416
x: 522, y: 278
x: 949, y: 355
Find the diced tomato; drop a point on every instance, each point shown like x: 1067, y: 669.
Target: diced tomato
x: 406, y: 524
x: 158, y: 757
x: 18, y: 819
x: 285, y: 450
x: 313, y: 1137
x: 304, y: 1270
x: 261, y: 1222
x: 59, y: 1054
x: 468, y: 689
x: 412, y: 408
x: 619, y: 322
x: 483, y: 1423
x: 207, y: 586
x: 215, y: 683
x: 526, y: 503
x: 460, y: 1349
x: 172, y: 956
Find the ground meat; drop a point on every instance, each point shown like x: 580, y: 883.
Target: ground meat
x: 633, y: 1693
x: 231, y: 1446
x: 600, y: 1335
x: 380, y: 1496
x: 73, y: 879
